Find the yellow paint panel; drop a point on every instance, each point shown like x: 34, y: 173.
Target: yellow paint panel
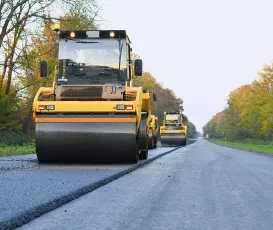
x: 172, y: 131
x: 87, y: 120
x: 85, y: 106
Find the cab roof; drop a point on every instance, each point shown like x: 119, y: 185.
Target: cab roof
x: 94, y: 34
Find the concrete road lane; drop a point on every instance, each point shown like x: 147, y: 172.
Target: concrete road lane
x: 26, y: 185
x: 202, y: 186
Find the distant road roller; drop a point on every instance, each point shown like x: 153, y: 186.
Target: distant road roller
x: 173, y: 132
x: 153, y: 132
x: 92, y: 112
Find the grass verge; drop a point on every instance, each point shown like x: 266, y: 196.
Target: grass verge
x: 6, y: 151
x: 261, y: 148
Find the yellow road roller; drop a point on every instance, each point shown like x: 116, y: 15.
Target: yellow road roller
x: 92, y: 112
x: 173, y: 132
x: 153, y: 132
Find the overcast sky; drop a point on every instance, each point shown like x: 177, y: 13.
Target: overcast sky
x: 201, y: 49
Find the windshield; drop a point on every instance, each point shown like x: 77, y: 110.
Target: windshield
x: 173, y: 118
x: 95, y: 61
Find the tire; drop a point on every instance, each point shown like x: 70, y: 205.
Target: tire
x: 155, y: 143
x: 184, y: 143
x: 150, y: 140
x: 143, y: 155
x: 143, y: 138
x: 135, y: 157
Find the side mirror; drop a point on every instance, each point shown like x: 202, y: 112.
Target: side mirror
x: 43, y: 69
x: 138, y: 67
x: 154, y: 96
x: 145, y: 91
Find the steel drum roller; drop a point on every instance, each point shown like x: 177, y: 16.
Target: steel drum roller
x: 173, y: 139
x: 86, y: 141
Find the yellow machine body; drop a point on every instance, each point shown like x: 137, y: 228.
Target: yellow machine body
x: 173, y: 132
x: 92, y: 112
x: 153, y: 132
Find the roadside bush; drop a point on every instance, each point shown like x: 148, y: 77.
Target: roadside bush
x: 15, y: 138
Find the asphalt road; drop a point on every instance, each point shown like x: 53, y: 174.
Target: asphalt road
x: 28, y: 188
x: 201, y: 186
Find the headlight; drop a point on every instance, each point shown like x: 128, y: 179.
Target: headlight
x: 46, y: 107
x: 112, y: 34
x: 123, y: 107
x: 50, y: 107
x: 120, y: 107
x: 129, y: 107
x: 72, y: 34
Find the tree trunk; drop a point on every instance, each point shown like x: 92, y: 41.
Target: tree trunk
x: 10, y: 65
x: 5, y: 66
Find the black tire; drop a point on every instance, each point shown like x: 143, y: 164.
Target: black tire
x: 143, y: 138
x: 143, y: 155
x: 150, y: 141
x: 184, y: 143
x: 135, y: 157
x: 155, y: 143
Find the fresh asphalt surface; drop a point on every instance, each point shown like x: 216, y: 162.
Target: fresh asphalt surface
x: 200, y: 186
x: 26, y: 185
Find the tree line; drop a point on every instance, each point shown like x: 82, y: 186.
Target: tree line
x: 249, y: 111
x: 26, y: 38
x: 166, y: 100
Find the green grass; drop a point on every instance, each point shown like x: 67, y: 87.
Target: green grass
x: 255, y: 147
x: 6, y: 151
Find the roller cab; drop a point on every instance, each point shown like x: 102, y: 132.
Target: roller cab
x: 92, y: 112
x: 173, y: 132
